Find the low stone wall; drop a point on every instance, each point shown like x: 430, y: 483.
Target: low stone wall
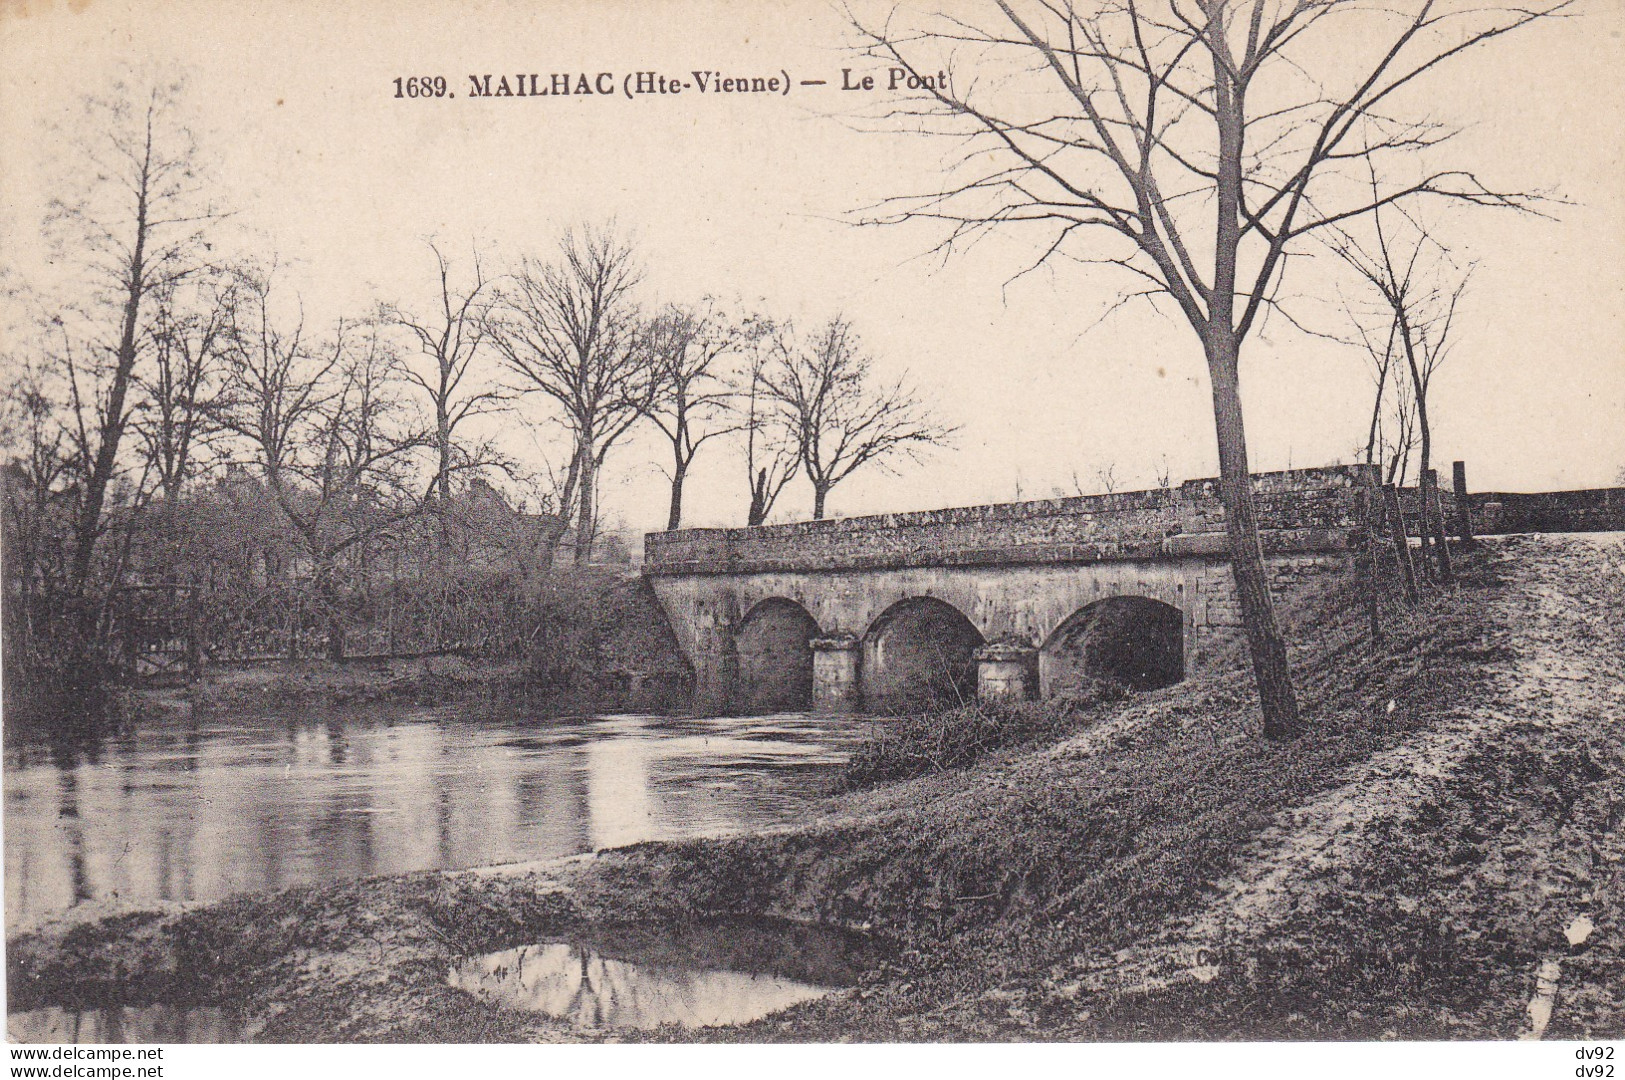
x: 1498, y: 512
x: 1592, y: 510
x: 1299, y: 511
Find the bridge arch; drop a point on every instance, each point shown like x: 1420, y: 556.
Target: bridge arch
x: 919, y: 650
x: 775, y: 661
x: 1133, y: 640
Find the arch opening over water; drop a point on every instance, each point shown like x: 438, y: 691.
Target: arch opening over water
x: 919, y: 653
x: 774, y: 657
x: 1131, y: 640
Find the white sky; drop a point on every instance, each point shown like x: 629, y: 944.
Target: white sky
x: 747, y: 196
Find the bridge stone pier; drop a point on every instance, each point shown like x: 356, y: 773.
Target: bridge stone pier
x: 1007, y: 601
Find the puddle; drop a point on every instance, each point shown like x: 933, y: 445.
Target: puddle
x: 695, y: 976
x: 1540, y: 1006
x: 124, y: 1024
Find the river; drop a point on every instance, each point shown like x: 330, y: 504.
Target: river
x: 199, y: 809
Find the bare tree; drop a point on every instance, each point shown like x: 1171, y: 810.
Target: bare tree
x: 1420, y: 288
x: 358, y: 479
x: 570, y: 330
x: 278, y: 384
x: 692, y: 402
x: 52, y: 622
x: 1105, y: 481
x: 449, y: 341
x: 1165, y: 474
x: 772, y: 453
x: 1402, y: 442
x: 1391, y: 429
x: 39, y: 468
x: 333, y: 440
x: 1382, y: 362
x: 136, y: 215
x: 189, y: 338
x: 841, y: 418
x: 1196, y: 146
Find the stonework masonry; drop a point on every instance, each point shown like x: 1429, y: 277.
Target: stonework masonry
x: 1500, y: 512
x: 1015, y: 571
x: 1306, y: 510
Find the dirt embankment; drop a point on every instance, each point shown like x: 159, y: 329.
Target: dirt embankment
x: 1439, y: 842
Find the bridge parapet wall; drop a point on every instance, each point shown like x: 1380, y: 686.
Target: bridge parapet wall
x: 1299, y: 511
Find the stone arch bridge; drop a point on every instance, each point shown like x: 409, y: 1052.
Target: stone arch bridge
x: 1011, y: 600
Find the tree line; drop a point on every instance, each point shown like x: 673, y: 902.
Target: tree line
x: 163, y: 367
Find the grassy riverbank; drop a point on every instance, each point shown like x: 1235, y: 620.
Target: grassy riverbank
x: 1147, y: 869
x: 594, y: 642
x: 446, y: 678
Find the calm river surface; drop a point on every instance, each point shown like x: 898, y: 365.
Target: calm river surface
x: 201, y: 809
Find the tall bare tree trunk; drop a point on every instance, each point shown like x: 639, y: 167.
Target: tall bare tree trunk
x: 1264, y: 641
x: 553, y: 535
x: 112, y: 427
x: 1223, y: 348
x: 820, y: 493
x: 584, y: 517
x: 758, y: 499
x: 1427, y: 485
x: 327, y: 590
x: 1402, y: 543
x: 674, y: 518
x: 442, y: 476
x: 442, y: 483
x: 1376, y: 415
x: 1424, y: 507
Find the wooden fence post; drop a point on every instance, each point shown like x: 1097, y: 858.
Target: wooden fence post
x: 1433, y: 521
x: 1402, y: 544
x: 1464, y: 517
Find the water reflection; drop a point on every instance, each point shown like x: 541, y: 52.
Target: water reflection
x: 148, y: 1024
x: 199, y: 810
x: 591, y: 990
x: 642, y: 977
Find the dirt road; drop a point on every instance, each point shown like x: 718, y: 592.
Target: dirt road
x: 1492, y: 837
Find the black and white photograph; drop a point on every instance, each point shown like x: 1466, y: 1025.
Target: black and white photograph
x: 1092, y: 524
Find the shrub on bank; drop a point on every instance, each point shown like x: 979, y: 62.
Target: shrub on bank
x: 934, y: 740
x: 603, y: 634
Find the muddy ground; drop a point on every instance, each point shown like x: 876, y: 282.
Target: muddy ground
x: 1440, y: 857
